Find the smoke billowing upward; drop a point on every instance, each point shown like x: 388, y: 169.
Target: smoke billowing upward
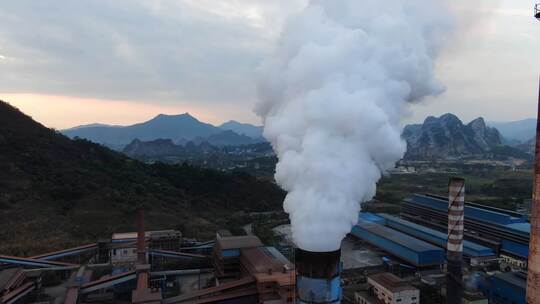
x: 332, y: 96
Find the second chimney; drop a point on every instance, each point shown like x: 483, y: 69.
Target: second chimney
x: 454, y: 254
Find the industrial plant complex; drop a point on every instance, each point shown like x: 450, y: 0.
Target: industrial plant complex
x: 490, y: 253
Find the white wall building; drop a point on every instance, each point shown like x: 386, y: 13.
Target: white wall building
x: 390, y: 289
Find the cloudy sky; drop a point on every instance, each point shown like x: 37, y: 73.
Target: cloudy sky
x: 68, y: 63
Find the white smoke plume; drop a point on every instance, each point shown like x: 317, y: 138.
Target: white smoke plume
x: 332, y: 97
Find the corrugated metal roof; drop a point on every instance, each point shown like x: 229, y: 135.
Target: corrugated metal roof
x: 517, y: 279
x: 397, y: 237
x: 520, y: 227
x: 414, y: 251
x: 517, y: 249
x: 370, y: 217
x: 234, y: 242
x: 261, y: 260
x: 433, y: 236
x: 471, y: 212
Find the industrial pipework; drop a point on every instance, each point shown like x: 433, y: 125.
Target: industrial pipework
x: 318, y: 277
x: 454, y: 254
x: 533, y: 273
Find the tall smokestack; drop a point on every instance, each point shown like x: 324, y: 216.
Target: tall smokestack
x: 318, y: 277
x: 533, y: 273
x: 454, y: 254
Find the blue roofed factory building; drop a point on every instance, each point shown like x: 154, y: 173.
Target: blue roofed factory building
x: 416, y: 252
x: 505, y: 232
x: 477, y: 254
x: 495, y: 239
x: 505, y: 288
x: 415, y: 244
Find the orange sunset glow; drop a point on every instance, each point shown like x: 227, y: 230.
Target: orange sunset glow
x: 63, y: 112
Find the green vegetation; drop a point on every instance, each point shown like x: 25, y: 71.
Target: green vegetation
x: 495, y: 187
x: 58, y: 192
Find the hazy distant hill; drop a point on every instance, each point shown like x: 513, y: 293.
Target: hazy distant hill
x: 229, y: 138
x: 178, y: 128
x: 516, y: 132
x: 447, y: 137
x: 243, y: 128
x: 57, y: 192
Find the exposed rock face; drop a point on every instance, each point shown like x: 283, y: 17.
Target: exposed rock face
x: 447, y: 137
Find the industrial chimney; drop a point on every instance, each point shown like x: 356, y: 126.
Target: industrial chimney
x: 318, y: 277
x: 533, y: 273
x: 141, y: 238
x: 454, y: 254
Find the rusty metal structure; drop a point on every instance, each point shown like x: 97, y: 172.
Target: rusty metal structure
x: 143, y: 294
x: 454, y: 254
x: 318, y: 277
x: 533, y: 273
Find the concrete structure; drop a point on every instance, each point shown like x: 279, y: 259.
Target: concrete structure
x: 365, y: 297
x: 390, y: 289
x: 123, y: 248
x: 226, y: 254
x: 318, y: 277
x: 274, y: 274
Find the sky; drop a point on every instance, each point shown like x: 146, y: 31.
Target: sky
x: 69, y: 63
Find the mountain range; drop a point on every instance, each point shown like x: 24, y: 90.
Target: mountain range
x: 178, y: 128
x: 447, y: 137
x: 57, y: 192
x: 437, y: 138
x: 516, y: 132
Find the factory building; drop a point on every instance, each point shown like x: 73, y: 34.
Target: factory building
x: 415, y: 244
x: 388, y: 289
x: 123, y: 247
x: 413, y: 251
x: 423, y: 247
x: 475, y: 254
x: 505, y: 232
x: 505, y: 288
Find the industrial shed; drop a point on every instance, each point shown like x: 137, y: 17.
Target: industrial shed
x: 411, y: 250
x: 472, y: 211
x: 435, y: 237
x: 503, y: 231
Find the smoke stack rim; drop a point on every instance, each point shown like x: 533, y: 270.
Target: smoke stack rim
x: 318, y: 276
x: 313, y: 264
